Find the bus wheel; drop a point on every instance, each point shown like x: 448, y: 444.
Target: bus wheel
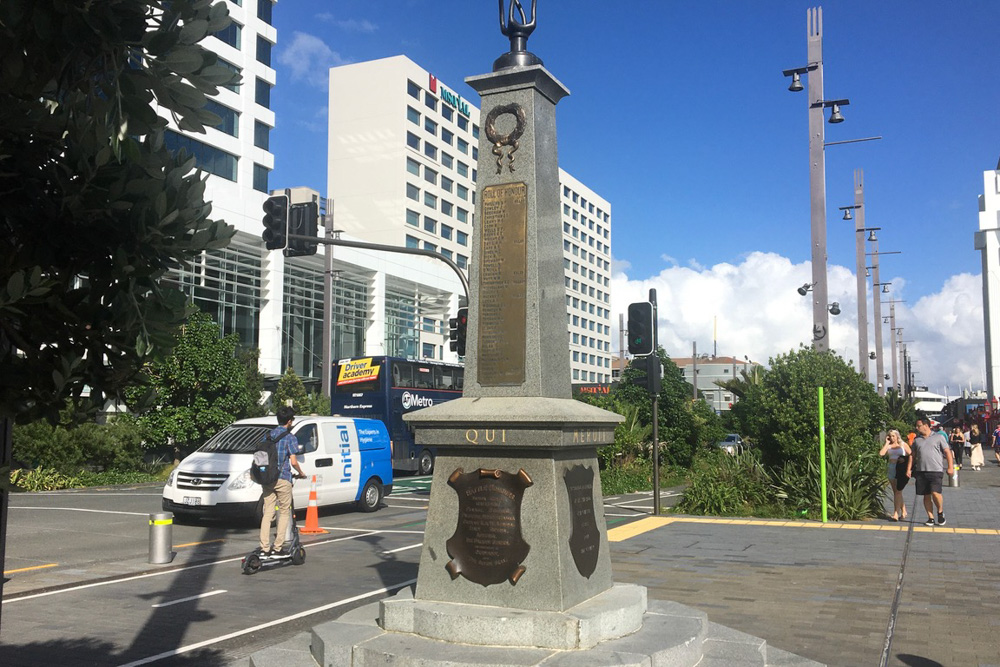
x: 371, y: 496
x: 426, y: 463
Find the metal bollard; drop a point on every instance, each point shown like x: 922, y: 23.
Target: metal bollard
x: 954, y: 477
x: 161, y: 529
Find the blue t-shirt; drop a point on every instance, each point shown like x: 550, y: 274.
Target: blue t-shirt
x: 287, y: 446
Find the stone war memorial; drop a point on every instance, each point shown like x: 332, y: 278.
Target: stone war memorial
x: 515, y: 567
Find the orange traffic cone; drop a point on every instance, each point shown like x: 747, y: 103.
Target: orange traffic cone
x: 312, y: 514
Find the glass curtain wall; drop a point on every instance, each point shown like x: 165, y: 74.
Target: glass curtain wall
x: 302, y: 319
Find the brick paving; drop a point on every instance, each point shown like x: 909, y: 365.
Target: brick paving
x: 826, y: 592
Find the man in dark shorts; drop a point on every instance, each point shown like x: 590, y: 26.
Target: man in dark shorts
x: 931, y: 459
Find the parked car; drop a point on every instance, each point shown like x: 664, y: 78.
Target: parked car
x: 732, y: 444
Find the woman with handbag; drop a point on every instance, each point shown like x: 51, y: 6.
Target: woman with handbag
x: 896, y: 449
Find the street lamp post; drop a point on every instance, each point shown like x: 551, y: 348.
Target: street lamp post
x: 860, y: 267
x: 817, y: 168
x: 893, y: 336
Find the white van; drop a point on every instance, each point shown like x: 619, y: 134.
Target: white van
x: 351, y: 458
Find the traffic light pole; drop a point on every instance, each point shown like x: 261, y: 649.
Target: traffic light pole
x: 656, y: 418
x: 386, y: 248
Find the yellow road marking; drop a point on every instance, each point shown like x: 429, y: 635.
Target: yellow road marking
x: 641, y: 526
x: 33, y: 567
x: 194, y: 544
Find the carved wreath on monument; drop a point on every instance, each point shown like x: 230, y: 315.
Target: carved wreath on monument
x: 511, y: 138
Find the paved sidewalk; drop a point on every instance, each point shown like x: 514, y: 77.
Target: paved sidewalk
x: 826, y: 591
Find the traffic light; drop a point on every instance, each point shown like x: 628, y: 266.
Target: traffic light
x: 641, y: 328
x: 303, y: 220
x: 463, y: 327
x: 275, y: 222
x: 453, y: 334
x: 650, y: 372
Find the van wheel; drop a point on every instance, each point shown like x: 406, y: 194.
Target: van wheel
x: 425, y: 465
x: 371, y: 496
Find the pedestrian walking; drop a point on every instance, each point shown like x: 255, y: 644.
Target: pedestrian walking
x: 931, y: 459
x: 957, y: 443
x: 996, y: 443
x: 976, y: 451
x: 895, y: 449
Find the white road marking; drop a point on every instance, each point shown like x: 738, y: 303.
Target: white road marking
x: 284, y: 619
x: 412, y: 546
x: 188, y: 599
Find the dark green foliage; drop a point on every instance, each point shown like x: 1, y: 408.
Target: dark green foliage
x: 726, y: 485
x: 67, y: 448
x: 901, y: 411
x: 196, y: 391
x: 290, y: 388
x: 780, y: 415
x: 95, y: 210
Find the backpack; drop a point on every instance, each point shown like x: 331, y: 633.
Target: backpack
x: 266, y: 468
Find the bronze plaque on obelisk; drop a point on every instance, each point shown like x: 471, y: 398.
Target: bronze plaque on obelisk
x: 503, y: 284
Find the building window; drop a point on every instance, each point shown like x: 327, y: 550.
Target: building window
x: 462, y: 169
x: 463, y: 122
x: 262, y: 94
x: 412, y: 242
x: 230, y: 123
x: 446, y: 232
x: 447, y: 136
x: 462, y: 260
x: 412, y: 166
x: 430, y: 225
x: 462, y: 238
x: 447, y: 207
x: 260, y: 173
x: 462, y: 145
x: 427, y: 350
x: 475, y: 153
x: 462, y: 191
x: 264, y: 8
x: 412, y: 217
x: 261, y: 134
x: 412, y: 89
x: 413, y: 115
x: 235, y: 87
x: 430, y: 150
x: 430, y: 246
x: 430, y: 200
x: 412, y: 192
x: 447, y: 113
x: 447, y: 160
x: 430, y: 101
x: 475, y: 131
x: 413, y: 141
x: 430, y: 126
x: 446, y: 183
x: 430, y: 175
x: 230, y: 35
x: 462, y: 215
x: 447, y: 253
x: 263, y: 51
x: 208, y: 158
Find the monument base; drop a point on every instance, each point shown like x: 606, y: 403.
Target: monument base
x: 616, y: 627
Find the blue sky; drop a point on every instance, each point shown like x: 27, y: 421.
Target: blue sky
x: 680, y: 117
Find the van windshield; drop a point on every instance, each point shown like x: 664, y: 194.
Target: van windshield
x: 236, y: 439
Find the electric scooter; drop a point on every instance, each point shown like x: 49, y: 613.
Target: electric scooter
x: 296, y: 553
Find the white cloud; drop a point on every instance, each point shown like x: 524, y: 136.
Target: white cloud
x: 309, y: 59
x: 350, y: 25
x: 753, y: 309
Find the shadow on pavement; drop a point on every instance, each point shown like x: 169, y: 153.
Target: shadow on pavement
x: 917, y: 661
x: 73, y: 652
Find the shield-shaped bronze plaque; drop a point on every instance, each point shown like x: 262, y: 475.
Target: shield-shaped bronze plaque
x: 487, y: 547
x: 585, y: 538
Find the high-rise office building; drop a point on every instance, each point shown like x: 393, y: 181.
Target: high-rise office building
x: 402, y: 171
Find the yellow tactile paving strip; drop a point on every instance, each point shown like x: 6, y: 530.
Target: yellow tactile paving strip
x: 629, y: 530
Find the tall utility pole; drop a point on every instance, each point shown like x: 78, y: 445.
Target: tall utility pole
x: 877, y: 304
x: 861, y: 263
x: 328, y: 303
x: 893, y: 337
x: 817, y: 180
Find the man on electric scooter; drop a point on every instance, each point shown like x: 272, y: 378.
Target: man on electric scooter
x: 280, y: 495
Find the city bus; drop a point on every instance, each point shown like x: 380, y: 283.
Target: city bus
x: 386, y: 388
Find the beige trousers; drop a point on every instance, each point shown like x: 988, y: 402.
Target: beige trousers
x: 277, y: 497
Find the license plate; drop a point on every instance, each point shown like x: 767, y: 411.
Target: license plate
x: 192, y: 500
